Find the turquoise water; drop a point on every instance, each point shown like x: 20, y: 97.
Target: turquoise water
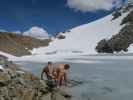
x: 108, y: 80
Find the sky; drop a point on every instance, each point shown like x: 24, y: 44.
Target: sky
x: 52, y: 16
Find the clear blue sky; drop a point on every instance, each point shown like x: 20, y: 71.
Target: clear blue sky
x: 52, y: 15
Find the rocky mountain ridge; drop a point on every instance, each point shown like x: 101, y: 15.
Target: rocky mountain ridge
x: 124, y: 38
x: 19, y: 45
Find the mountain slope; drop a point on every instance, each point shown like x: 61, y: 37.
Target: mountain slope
x: 122, y: 40
x: 18, y: 45
x: 83, y: 39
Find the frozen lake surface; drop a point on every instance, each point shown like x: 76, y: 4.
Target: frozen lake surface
x: 103, y: 79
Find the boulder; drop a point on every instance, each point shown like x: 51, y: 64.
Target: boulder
x: 16, y: 84
x: 4, y: 78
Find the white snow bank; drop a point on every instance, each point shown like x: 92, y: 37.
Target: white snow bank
x: 9, y: 56
x: 130, y: 49
x: 85, y: 37
x: 1, y: 68
x: 79, y: 41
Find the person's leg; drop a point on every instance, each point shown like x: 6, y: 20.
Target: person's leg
x: 60, y: 81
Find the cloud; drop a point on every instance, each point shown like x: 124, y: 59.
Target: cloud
x: 37, y: 32
x: 93, y: 5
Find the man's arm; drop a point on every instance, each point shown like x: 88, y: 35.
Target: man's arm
x: 42, y: 73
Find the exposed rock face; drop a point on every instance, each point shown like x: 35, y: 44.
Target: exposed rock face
x: 122, y: 40
x: 19, y: 45
x: 103, y: 46
x: 60, y: 36
x: 16, y: 84
x: 116, y: 14
x: 128, y: 19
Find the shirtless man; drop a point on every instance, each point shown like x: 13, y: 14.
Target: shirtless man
x: 61, y: 74
x: 58, y: 73
x: 48, y: 70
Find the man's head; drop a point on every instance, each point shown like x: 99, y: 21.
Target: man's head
x: 66, y: 66
x: 49, y: 63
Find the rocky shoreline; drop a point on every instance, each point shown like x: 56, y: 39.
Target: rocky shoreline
x: 17, y: 84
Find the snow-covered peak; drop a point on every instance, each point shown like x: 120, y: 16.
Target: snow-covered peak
x: 37, y: 32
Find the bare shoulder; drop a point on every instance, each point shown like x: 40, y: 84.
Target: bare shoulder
x: 61, y: 65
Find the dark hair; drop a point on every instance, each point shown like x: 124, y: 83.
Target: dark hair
x: 66, y: 66
x: 49, y: 63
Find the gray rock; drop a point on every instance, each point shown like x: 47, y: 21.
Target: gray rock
x: 19, y: 85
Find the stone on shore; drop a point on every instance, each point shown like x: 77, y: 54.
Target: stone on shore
x: 16, y: 84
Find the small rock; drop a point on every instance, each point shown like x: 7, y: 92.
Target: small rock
x: 4, y: 78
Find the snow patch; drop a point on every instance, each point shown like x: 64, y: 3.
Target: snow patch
x: 130, y: 49
x: 9, y: 56
x: 85, y: 37
x: 1, y: 68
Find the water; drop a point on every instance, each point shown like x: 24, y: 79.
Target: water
x: 108, y: 80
